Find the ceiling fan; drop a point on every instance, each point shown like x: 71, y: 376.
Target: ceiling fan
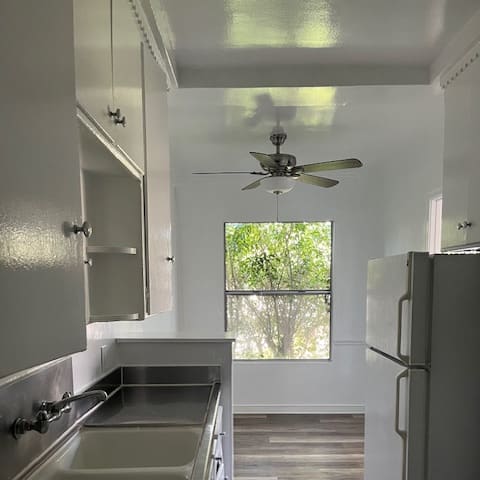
x: 280, y: 170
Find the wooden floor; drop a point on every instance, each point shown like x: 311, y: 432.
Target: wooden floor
x: 298, y: 447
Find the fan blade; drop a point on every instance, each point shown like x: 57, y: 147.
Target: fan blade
x: 227, y: 173
x: 253, y: 185
x: 318, y: 181
x: 264, y: 159
x: 333, y: 165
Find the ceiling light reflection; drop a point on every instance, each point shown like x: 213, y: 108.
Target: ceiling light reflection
x: 307, y: 106
x: 274, y: 23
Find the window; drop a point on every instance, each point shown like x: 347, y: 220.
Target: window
x: 278, y: 289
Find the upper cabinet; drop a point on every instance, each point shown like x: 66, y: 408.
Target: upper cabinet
x: 461, y: 176
x: 159, y: 255
x: 124, y: 150
x: 109, y: 72
x: 41, y: 263
x: 113, y: 205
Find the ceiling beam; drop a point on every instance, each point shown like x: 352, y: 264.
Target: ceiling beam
x: 295, y: 76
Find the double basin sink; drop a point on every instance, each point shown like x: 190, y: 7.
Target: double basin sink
x: 140, y: 433
x: 130, y: 453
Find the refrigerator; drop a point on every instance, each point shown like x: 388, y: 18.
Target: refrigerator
x: 422, y: 405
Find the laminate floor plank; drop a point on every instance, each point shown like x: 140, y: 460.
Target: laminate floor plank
x: 299, y: 447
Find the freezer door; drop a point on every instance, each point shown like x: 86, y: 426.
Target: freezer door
x: 399, y: 306
x: 395, y: 420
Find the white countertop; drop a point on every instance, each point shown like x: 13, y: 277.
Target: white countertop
x: 151, y: 330
x: 174, y: 337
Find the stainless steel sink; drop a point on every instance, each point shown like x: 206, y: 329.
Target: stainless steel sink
x: 125, y: 453
x: 142, y: 447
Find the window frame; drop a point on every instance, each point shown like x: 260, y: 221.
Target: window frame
x: 282, y: 292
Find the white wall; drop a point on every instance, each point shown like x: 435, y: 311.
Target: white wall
x: 279, y: 386
x: 383, y: 126
x: 101, y: 356
x: 413, y: 180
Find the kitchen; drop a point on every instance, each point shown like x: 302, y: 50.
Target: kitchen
x: 371, y: 201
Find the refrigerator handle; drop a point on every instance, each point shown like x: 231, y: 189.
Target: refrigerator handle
x: 402, y: 433
x: 401, y: 301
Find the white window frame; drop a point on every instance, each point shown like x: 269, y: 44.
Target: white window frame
x: 434, y: 231
x: 328, y: 292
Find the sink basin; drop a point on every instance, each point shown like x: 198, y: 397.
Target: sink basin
x: 135, y: 447
x: 125, y: 453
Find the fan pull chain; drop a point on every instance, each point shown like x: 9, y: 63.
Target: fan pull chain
x: 276, y: 196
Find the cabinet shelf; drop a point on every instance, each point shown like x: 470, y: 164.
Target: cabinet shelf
x: 112, y: 250
x: 114, y: 317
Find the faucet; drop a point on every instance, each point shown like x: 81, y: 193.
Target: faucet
x: 51, y: 411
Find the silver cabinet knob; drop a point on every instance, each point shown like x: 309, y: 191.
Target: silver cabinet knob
x: 113, y: 113
x: 88, y: 262
x: 120, y: 121
x: 170, y: 259
x: 464, y: 225
x: 85, y: 228
x: 116, y: 116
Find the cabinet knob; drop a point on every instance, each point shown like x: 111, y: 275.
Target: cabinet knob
x: 85, y: 228
x: 170, y: 259
x: 464, y: 225
x: 88, y: 262
x: 116, y: 116
x: 120, y: 121
x: 113, y: 113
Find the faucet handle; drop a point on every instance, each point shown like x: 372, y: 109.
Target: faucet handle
x: 40, y: 424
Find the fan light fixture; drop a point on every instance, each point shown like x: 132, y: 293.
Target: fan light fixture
x: 278, y: 185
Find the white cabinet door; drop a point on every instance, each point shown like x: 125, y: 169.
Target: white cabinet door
x: 93, y: 59
x: 472, y: 75
x: 461, y: 196
x: 157, y: 187
x: 127, y: 81
x: 41, y: 263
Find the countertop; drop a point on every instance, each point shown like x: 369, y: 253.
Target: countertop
x: 172, y: 336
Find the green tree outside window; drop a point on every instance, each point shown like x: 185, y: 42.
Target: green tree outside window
x: 278, y: 289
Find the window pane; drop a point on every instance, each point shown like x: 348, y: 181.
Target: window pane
x: 280, y: 326
x: 278, y: 256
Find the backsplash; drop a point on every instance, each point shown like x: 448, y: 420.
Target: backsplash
x: 21, y: 397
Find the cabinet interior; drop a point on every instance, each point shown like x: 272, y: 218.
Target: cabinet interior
x: 113, y: 205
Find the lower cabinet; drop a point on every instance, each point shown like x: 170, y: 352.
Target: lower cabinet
x: 217, y: 468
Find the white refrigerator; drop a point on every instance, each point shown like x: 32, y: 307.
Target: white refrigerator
x: 422, y: 410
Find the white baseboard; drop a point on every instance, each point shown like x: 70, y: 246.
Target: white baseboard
x: 301, y: 408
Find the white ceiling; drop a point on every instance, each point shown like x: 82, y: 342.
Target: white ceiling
x: 214, y: 129
x: 307, y: 42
